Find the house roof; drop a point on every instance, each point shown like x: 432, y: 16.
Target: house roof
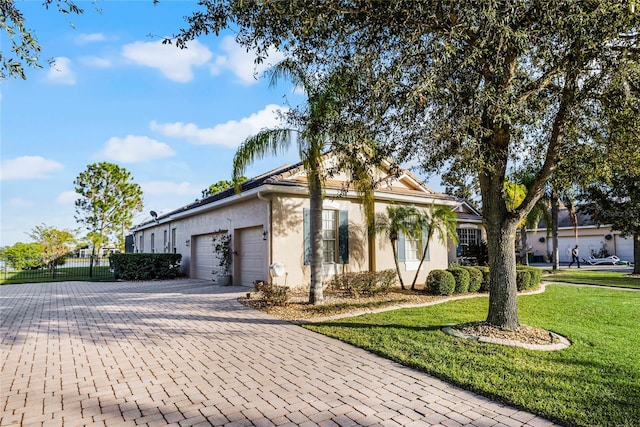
x: 404, y: 184
x: 564, y: 220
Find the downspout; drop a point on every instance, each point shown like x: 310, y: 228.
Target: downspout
x: 268, y: 227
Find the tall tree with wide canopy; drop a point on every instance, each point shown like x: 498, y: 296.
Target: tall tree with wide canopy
x: 108, y: 200
x: 444, y: 79
x: 24, y: 48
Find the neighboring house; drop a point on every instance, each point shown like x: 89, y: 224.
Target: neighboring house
x: 469, y: 228
x: 591, y: 240
x: 268, y: 223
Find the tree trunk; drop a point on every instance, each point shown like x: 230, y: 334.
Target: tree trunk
x: 636, y: 252
x: 501, y: 226
x: 424, y: 255
x: 503, y: 292
x: 316, y: 296
x: 555, y: 207
x: 395, y: 260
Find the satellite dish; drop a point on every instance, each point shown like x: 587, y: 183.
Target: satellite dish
x: 277, y: 269
x: 153, y: 214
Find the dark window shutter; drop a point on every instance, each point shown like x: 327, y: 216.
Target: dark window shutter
x: 459, y: 248
x: 343, y: 237
x: 306, y: 230
x: 401, y: 254
x: 478, y: 236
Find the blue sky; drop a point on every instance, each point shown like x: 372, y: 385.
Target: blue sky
x: 172, y: 117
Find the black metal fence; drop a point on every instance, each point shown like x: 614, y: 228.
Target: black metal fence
x: 69, y: 268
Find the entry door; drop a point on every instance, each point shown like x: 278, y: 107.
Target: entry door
x: 252, y: 256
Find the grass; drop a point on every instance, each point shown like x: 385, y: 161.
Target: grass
x: 100, y: 273
x: 595, y: 382
x: 590, y: 277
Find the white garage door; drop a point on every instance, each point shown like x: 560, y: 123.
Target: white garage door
x: 624, y: 248
x: 251, y: 256
x: 588, y: 245
x: 204, y: 258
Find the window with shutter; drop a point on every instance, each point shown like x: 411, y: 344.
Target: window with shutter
x: 335, y: 236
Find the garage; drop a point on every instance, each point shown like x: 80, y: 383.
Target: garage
x: 204, y: 257
x: 251, y: 256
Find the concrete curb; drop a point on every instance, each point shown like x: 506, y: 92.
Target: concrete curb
x: 560, y: 345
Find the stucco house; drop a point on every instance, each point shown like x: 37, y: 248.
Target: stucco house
x: 268, y: 224
x: 591, y: 239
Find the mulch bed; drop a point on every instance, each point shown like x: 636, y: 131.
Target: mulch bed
x: 298, y: 309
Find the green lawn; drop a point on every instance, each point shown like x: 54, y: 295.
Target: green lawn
x: 590, y: 277
x: 595, y: 382
x: 99, y: 273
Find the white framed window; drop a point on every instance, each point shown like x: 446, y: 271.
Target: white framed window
x: 466, y: 237
x: 153, y: 242
x: 412, y: 249
x: 141, y: 243
x: 329, y: 236
x: 173, y: 240
x: 335, y: 236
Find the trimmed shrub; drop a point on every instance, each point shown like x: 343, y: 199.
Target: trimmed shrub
x: 536, y: 277
x: 484, y: 286
x: 273, y: 295
x: 440, y: 282
x: 462, y: 279
x: 363, y: 283
x: 523, y: 279
x: 127, y: 266
x: 475, y: 278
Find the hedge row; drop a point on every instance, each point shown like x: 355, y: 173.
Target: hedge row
x: 364, y: 283
x: 473, y: 279
x: 129, y: 266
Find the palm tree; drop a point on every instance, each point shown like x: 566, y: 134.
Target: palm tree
x: 539, y: 211
x: 310, y: 130
x: 441, y: 219
x: 399, y: 219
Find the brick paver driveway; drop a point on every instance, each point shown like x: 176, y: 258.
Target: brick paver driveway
x: 187, y: 353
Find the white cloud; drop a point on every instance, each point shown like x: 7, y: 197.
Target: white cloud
x: 95, y: 61
x: 242, y: 63
x: 90, y: 38
x: 175, y: 64
x: 28, y: 167
x: 229, y: 134
x: 19, y: 202
x: 61, y: 72
x: 67, y: 198
x: 166, y: 188
x: 132, y: 149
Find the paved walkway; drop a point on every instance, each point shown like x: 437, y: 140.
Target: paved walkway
x: 187, y: 353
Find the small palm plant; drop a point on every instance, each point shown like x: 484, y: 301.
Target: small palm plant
x: 440, y: 219
x: 399, y: 219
